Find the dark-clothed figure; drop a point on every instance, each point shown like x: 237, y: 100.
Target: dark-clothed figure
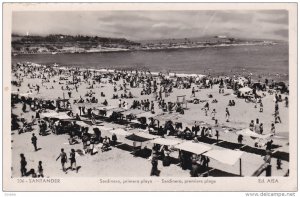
x: 34, y: 141
x: 23, y: 165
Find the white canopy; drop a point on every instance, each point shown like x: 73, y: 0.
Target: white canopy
x: 197, y: 148
x: 225, y: 156
x: 146, y: 135
x: 25, y: 94
x: 163, y: 141
x: 81, y: 123
x: 245, y: 89
x: 106, y: 107
x: 48, y: 114
x: 248, y: 132
x: 56, y: 115
x: 119, y: 131
x: 104, y: 128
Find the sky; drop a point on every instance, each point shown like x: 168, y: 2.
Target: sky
x: 152, y: 25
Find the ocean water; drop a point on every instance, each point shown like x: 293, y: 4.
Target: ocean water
x: 270, y: 61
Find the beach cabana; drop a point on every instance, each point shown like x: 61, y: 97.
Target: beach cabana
x: 119, y: 131
x: 141, y: 137
x: 82, y: 124
x: 197, y: 148
x: 245, y: 91
x: 61, y: 116
x: 228, y: 157
x: 164, y: 141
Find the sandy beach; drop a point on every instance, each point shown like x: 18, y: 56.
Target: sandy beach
x: 120, y: 162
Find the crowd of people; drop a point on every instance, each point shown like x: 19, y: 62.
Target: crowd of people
x: 161, y: 86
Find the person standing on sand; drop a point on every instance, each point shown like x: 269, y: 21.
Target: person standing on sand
x: 34, y: 141
x: 213, y: 113
x: 261, y: 128
x: 154, y: 162
x: 23, y: 165
x: 40, y: 170
x: 256, y: 126
x: 277, y: 117
x: 73, y: 159
x: 273, y: 128
x: 227, y: 114
x: 24, y: 107
x: 193, y: 92
x: 38, y: 88
x: 63, y: 159
x: 251, y: 125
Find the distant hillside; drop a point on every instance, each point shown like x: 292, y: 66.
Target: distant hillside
x: 59, y: 43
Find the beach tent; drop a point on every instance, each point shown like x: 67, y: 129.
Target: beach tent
x: 245, y: 90
x: 104, y: 128
x: 61, y: 116
x: 141, y: 137
x: 172, y: 74
x: 82, y: 124
x: 164, y: 141
x: 119, y: 131
x: 107, y: 107
x: 48, y: 114
x: 155, y: 73
x: 197, y: 148
x: 226, y: 156
x: 25, y: 94
x: 248, y: 132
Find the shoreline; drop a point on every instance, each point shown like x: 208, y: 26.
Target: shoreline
x: 170, y: 73
x: 117, y: 50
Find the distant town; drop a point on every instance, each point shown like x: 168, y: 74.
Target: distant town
x: 58, y: 43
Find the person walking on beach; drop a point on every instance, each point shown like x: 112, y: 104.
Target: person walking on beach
x: 273, y: 128
x: 154, y: 162
x: 227, y: 114
x: 256, y: 126
x: 73, y: 159
x: 23, y: 165
x: 38, y: 88
x: 34, y: 141
x: 193, y: 92
x: 40, y: 170
x: 24, y: 107
x: 213, y: 113
x: 251, y: 125
x: 63, y: 159
x: 152, y: 107
x: 277, y: 117
x: 261, y: 128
